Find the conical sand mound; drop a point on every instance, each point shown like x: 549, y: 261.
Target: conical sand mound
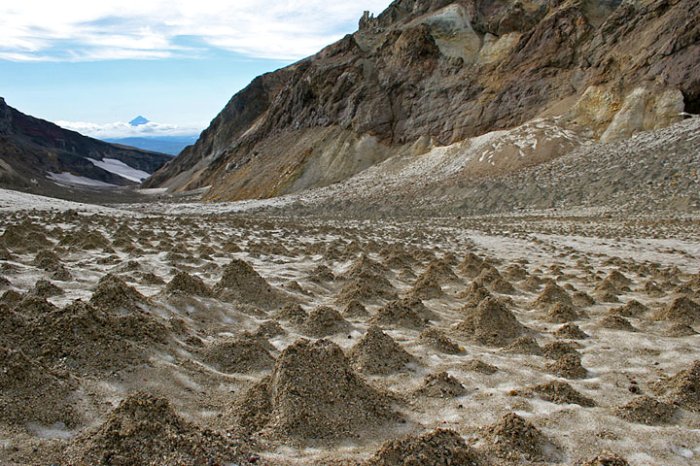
x: 240, y: 282
x: 437, y: 448
x: 515, y: 439
x: 185, y: 284
x: 473, y: 295
x: 552, y: 294
x: 239, y: 355
x: 145, y: 430
x: 571, y: 332
x: 630, y: 309
x: 562, y: 313
x: 88, y: 339
x: 355, y: 310
x: 441, y: 385
x: 682, y: 310
x: 647, y: 410
x: 378, y: 354
x: 427, y: 287
x: 437, y: 340
x: 683, y: 388
x: 33, y: 393
x: 112, y: 293
x: 471, y: 265
x: 324, y: 321
x: 313, y: 394
x: 408, y: 312
x: 366, y: 287
x: 491, y: 324
x: 558, y: 392
x: 568, y: 366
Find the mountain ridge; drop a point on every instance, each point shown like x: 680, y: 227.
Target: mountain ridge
x: 40, y: 157
x: 432, y: 73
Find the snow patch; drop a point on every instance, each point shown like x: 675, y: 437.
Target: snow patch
x: 69, y: 179
x: 120, y: 168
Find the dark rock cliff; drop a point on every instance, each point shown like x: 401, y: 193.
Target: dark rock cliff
x: 446, y: 70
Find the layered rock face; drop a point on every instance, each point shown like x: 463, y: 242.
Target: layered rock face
x: 428, y: 73
x: 31, y: 149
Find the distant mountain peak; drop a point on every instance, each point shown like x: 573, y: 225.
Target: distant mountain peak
x: 138, y: 121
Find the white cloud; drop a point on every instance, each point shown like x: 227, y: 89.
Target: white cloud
x: 125, y: 130
x: 78, y: 30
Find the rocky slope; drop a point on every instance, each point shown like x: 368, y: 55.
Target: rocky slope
x: 40, y: 157
x: 431, y: 73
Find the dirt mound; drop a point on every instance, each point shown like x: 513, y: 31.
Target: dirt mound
x: 313, y: 394
x: 436, y: 448
x: 607, y: 288
x: 408, y: 312
x: 471, y: 265
x: 368, y: 287
x: 552, y: 294
x: 615, y: 322
x: 26, y: 237
x: 187, y: 285
x: 441, y: 385
x: 363, y: 266
x: 680, y: 330
x: 491, y: 324
x: 568, y: 366
x: 515, y: 272
x: 560, y: 313
x: 437, y: 340
x: 604, y: 459
x: 270, y: 329
x: 241, y: 355
x: 33, y: 393
x: 85, y: 241
x: 324, y: 321
x: 515, y: 439
x: 524, y: 345
x: 32, y: 305
x: 378, y: 354
x: 240, y: 282
x: 292, y: 312
x: 46, y: 289
x: 647, y: 410
x: 473, y: 295
x: 355, y: 310
x: 47, y: 260
x: 557, y: 349
x: 632, y: 308
x: 479, y: 366
x: 558, y: 392
x: 582, y: 299
x: 145, y: 430
x: 682, y: 310
x: 427, y: 287
x: 571, y: 332
x: 683, y: 388
x: 490, y: 278
x: 321, y: 274
x: 87, y: 339
x: 112, y: 293
x: 440, y: 271
x: 619, y: 280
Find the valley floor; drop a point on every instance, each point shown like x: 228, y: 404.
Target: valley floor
x: 196, y: 334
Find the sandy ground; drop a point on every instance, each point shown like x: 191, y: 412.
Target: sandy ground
x: 171, y: 297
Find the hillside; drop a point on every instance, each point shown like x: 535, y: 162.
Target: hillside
x: 40, y: 157
x: 426, y: 75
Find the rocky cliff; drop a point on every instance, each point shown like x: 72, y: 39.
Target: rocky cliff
x: 431, y: 73
x: 40, y: 157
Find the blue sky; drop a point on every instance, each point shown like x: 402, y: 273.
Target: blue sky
x: 92, y: 65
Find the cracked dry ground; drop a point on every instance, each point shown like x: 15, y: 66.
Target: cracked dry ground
x: 236, y: 339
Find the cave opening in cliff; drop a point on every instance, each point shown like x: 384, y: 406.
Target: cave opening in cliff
x: 692, y: 103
